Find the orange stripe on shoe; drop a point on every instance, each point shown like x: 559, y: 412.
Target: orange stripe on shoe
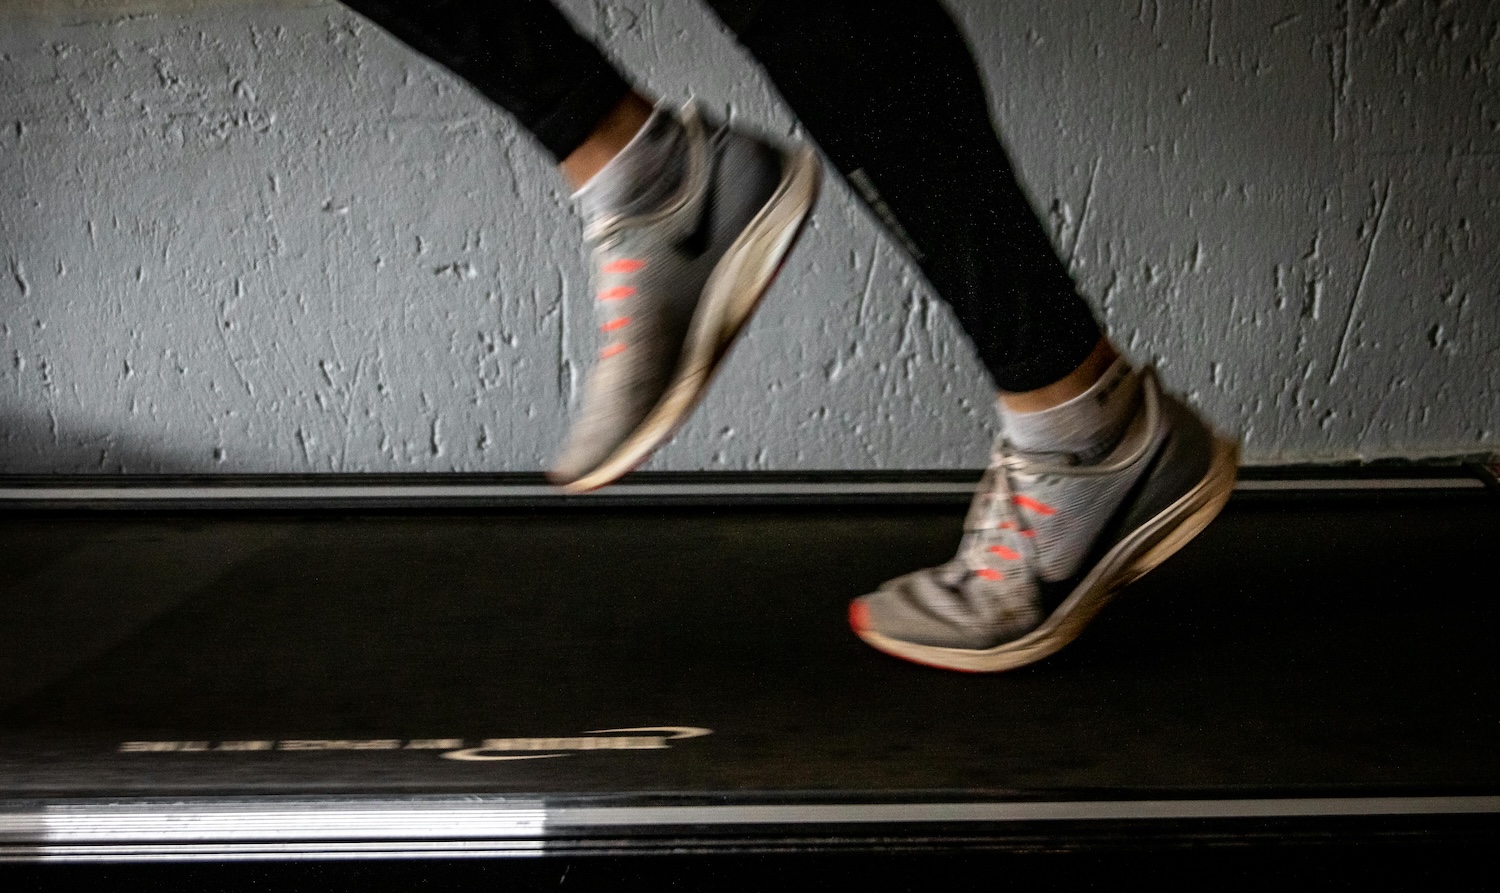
x: 612, y: 350
x: 624, y: 265
x: 1041, y: 508
x: 1007, y: 554
x: 990, y: 574
x: 616, y: 293
x: 1028, y: 533
x: 613, y: 324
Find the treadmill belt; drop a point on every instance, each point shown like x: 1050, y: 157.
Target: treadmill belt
x: 1300, y: 647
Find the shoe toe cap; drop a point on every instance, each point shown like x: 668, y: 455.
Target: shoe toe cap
x: 919, y: 609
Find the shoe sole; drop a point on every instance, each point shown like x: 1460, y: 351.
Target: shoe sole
x: 730, y: 297
x: 1130, y: 559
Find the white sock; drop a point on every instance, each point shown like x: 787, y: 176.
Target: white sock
x: 1087, y: 426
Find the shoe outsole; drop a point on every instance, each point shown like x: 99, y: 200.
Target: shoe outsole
x: 1129, y: 560
x: 731, y: 295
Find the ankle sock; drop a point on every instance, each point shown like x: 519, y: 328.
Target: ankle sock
x: 1087, y: 426
x: 647, y: 171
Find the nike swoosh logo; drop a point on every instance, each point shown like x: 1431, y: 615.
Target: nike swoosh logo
x: 695, y: 242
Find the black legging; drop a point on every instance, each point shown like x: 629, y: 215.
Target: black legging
x: 890, y: 92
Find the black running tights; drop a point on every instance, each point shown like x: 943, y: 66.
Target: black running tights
x: 890, y: 92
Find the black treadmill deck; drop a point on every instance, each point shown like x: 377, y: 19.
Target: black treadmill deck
x: 511, y: 678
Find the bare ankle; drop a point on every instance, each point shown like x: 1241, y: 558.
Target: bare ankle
x: 612, y: 134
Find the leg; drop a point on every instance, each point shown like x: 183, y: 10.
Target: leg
x: 689, y: 222
x: 891, y: 94
x: 522, y: 54
x: 887, y: 88
x: 1099, y: 475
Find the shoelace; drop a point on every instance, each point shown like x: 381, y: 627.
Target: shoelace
x: 995, y: 508
x: 605, y: 232
x: 997, y: 504
x: 624, y: 265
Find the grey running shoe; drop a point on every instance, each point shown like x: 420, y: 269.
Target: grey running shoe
x: 1047, y: 544
x: 675, y: 286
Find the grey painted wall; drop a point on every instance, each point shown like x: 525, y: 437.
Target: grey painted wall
x: 262, y: 236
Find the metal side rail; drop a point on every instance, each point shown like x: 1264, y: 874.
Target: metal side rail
x: 426, y: 827
x: 649, y: 488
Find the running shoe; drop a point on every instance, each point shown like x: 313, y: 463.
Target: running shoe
x: 1048, y: 542
x: 675, y: 285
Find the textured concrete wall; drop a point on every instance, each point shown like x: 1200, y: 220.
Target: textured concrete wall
x: 261, y: 236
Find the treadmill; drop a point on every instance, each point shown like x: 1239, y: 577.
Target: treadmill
x: 435, y: 666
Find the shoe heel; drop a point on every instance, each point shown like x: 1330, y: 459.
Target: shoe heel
x: 1212, y: 493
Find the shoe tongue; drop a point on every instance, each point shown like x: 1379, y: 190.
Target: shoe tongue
x: 642, y: 176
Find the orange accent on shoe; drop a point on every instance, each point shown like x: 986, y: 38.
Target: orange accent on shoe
x: 859, y: 616
x: 616, y: 293
x: 618, y: 323
x: 612, y: 350
x: 1006, y: 525
x: 1041, y: 508
x: 1028, y: 533
x: 1007, y: 554
x: 624, y: 265
x: 990, y: 573
x: 859, y: 621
